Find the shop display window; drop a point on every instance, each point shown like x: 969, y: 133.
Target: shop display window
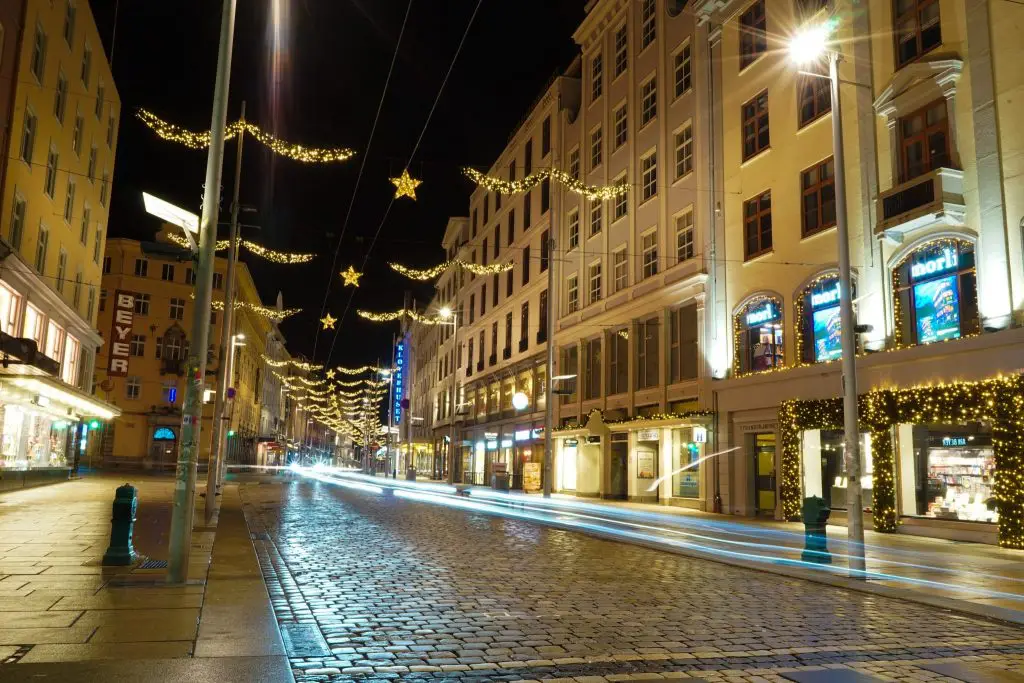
x: 760, y: 335
x: 937, y: 292
x: 834, y: 479
x: 686, y: 455
x: 821, y: 324
x: 954, y: 472
x: 10, y: 306
x: 31, y: 439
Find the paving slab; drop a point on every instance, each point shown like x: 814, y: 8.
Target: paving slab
x: 203, y: 670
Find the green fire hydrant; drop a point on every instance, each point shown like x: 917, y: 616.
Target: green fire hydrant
x: 815, y: 516
x: 121, y: 552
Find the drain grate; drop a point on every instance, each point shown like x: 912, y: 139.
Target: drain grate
x: 260, y: 536
x: 153, y: 564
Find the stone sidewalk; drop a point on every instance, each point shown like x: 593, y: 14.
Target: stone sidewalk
x: 60, y: 608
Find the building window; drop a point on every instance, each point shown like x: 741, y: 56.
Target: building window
x: 819, y: 197
x: 142, y: 304
x: 106, y: 265
x: 821, y: 327
x: 594, y: 278
x: 596, y: 78
x: 596, y: 218
x: 41, y: 245
x: 509, y: 282
x: 50, y: 181
x: 100, y: 94
x: 682, y: 353
x: 511, y: 226
x: 105, y: 188
x: 684, y: 235
x: 76, y: 293
x: 62, y: 270
x: 69, y: 23
x: 111, y: 124
x: 33, y: 326
x: 91, y: 168
x: 508, y: 335
x: 190, y: 276
x: 177, y: 311
x: 76, y: 134
x: 60, y: 96
x: 83, y: 230
x: 755, y: 126
x: 545, y: 147
x: 167, y: 272
x: 648, y: 14
x: 649, y: 253
x: 497, y: 238
x: 683, y: 71
x: 97, y: 245
x: 815, y: 98
x: 647, y: 354
x: 137, y: 346
x: 545, y: 195
x: 38, y: 64
x: 528, y: 158
x: 494, y: 290
x: 86, y: 65
x: 918, y: 28
x: 648, y: 101
x: 924, y: 141
x: 592, y: 369
x: 542, y: 318
x: 17, y: 221
x: 621, y: 51
x: 472, y: 308
x: 950, y: 470
x: 218, y: 280
x: 757, y: 225
x: 574, y: 229
x: 526, y: 265
x: 595, y: 148
x: 759, y: 335
x: 524, y: 325
x: 621, y: 126
x: 90, y: 304
x: 527, y: 212
x: 103, y: 299
x: 487, y: 211
x: 684, y: 151
x: 545, y: 249
x: 472, y: 233
x: 649, y: 176
x: 574, y: 163
x: 132, y: 388
x: 937, y: 293
x: 494, y: 343
x: 753, y: 34
x: 620, y: 270
x: 572, y: 288
x: 483, y: 299
x: 141, y: 267
x: 618, y: 361
x: 28, y: 136
x: 620, y: 205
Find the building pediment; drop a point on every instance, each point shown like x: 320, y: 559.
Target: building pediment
x: 917, y: 84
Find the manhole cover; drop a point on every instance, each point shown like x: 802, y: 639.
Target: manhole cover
x: 154, y: 564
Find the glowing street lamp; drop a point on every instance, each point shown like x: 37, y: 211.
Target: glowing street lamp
x: 520, y: 400
x: 812, y: 44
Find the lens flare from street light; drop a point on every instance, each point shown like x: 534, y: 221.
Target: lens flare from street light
x: 446, y: 312
x: 809, y: 44
x: 520, y: 400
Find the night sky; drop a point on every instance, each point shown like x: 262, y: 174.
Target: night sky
x: 325, y: 91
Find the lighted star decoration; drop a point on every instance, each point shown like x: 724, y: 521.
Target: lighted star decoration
x: 405, y: 185
x: 330, y: 374
x: 328, y: 322
x: 351, y: 276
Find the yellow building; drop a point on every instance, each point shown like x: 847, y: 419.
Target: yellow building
x: 159, y: 278
x: 59, y: 119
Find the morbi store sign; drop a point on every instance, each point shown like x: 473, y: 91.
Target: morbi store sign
x: 121, y: 334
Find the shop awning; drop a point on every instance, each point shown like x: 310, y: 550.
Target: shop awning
x: 57, y: 396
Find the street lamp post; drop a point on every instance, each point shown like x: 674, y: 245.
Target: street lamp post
x: 447, y: 312
x: 180, y: 544
x: 808, y: 46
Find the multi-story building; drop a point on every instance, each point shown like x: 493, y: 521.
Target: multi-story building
x: 148, y: 381
x: 59, y: 113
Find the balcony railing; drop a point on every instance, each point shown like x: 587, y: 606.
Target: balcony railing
x: 506, y: 353
x: 172, y: 366
x: 936, y: 197
x: 542, y: 335
x: 493, y: 360
x: 524, y: 344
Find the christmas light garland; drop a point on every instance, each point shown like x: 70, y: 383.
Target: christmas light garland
x: 264, y: 311
x: 300, y: 365
x: 395, y: 315
x: 424, y: 274
x: 258, y: 249
x: 998, y: 401
x: 308, y: 155
x: 592, y: 192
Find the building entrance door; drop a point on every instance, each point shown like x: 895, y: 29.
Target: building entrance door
x: 619, y: 470
x: 764, y: 473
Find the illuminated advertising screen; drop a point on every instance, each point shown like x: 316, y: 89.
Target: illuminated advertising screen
x: 937, y: 309
x: 827, y: 338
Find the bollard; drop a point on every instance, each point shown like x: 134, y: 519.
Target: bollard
x: 410, y: 474
x: 815, y: 516
x: 122, y: 522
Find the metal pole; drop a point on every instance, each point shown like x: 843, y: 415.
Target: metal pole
x: 455, y: 384
x: 549, y: 408
x: 851, y: 433
x: 185, y: 485
x: 226, y: 336
x: 391, y: 399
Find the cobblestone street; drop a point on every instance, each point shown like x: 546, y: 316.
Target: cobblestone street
x: 369, y: 587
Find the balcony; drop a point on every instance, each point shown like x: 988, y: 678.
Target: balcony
x: 480, y: 365
x: 493, y: 360
x: 542, y: 335
x: 506, y: 353
x: 934, y: 198
x: 469, y: 370
x: 172, y: 366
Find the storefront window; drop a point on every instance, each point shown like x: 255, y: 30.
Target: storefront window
x: 508, y: 389
x: 540, y: 387
x: 69, y: 369
x: 937, y: 292
x: 760, y: 336
x: 34, y: 325
x: 494, y: 403
x: 686, y: 455
x: 834, y: 480
x: 821, y: 326
x: 55, y: 341
x: 10, y: 305
x: 567, y: 465
x: 952, y: 468
x: 30, y: 439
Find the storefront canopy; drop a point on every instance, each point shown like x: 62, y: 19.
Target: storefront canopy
x: 55, y: 396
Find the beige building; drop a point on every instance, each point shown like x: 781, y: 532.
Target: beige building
x: 59, y: 113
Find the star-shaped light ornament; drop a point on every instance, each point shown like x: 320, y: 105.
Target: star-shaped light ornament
x: 405, y: 185
x: 328, y: 322
x: 351, y: 277
x: 330, y: 374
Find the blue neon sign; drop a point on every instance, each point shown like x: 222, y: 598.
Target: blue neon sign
x: 398, y: 379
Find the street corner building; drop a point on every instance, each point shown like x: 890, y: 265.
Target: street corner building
x: 59, y: 113
x: 697, y: 327
x: 146, y: 296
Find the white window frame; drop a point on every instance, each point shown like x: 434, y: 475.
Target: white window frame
x: 596, y: 77
x: 684, y: 64
x: 620, y: 269
x: 596, y: 147
x: 648, y: 100
x: 572, y: 291
x: 574, y: 229
x: 620, y: 204
x: 621, y: 65
x: 69, y: 201
x: 596, y: 218
x: 649, y: 176
x: 620, y: 126
x: 574, y: 162
x: 684, y: 224
x: 50, y: 179
x: 62, y: 269
x: 594, y: 282
x: 682, y: 143
x: 648, y: 23
x: 133, y: 388
x: 649, y: 253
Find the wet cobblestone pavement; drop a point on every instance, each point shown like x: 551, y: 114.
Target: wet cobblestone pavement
x: 369, y: 587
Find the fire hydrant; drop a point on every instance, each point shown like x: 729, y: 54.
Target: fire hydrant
x: 815, y: 516
x: 122, y: 523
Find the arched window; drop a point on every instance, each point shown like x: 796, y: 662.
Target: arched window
x: 759, y: 335
x: 164, y: 434
x: 818, y: 320
x: 935, y: 293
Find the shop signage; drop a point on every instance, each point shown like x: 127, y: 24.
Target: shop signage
x: 763, y: 314
x: 506, y: 443
x: 522, y: 435
x: 571, y: 443
x: 947, y: 260
x: 492, y: 445
x: 538, y: 433
x: 645, y: 464
x: 759, y: 427
x: 826, y: 297
x: 531, y: 476
x: 121, y: 334
x: 954, y: 441
x: 593, y: 439
x: 398, y: 382
x: 700, y: 435
x: 647, y: 435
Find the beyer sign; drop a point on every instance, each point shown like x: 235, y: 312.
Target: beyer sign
x: 121, y: 334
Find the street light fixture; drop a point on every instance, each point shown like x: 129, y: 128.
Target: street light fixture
x: 811, y: 45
